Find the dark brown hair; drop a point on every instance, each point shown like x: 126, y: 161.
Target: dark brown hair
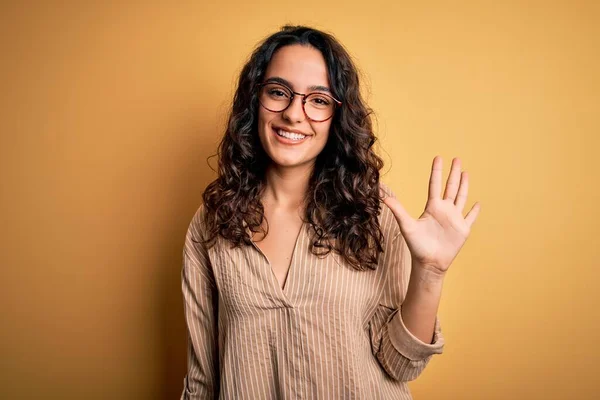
x: 342, y: 201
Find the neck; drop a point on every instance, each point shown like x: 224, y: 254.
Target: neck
x: 286, y: 187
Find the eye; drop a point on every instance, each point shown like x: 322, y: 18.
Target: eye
x: 319, y: 100
x: 277, y: 93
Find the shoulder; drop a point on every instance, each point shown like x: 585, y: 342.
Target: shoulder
x: 197, y: 226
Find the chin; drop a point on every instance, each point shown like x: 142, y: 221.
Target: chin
x: 290, y: 162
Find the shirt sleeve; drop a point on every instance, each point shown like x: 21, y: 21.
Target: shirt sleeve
x: 200, y: 309
x: 401, y: 354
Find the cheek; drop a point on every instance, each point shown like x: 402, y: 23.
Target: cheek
x: 263, y: 120
x: 323, y: 131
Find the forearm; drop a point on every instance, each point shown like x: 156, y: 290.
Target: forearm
x: 420, y: 306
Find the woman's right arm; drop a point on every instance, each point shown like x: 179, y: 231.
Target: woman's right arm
x: 200, y: 307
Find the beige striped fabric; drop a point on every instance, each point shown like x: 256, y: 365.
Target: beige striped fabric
x: 332, y: 332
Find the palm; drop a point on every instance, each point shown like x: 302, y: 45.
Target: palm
x: 436, y: 237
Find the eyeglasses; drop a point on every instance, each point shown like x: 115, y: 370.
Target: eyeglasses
x: 317, y: 106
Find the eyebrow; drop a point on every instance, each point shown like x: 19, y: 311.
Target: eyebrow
x: 287, y: 83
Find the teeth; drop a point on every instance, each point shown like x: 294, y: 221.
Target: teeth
x: 290, y: 135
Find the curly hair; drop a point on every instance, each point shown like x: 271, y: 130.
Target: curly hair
x: 343, y: 198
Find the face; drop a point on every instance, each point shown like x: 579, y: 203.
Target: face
x: 288, y: 137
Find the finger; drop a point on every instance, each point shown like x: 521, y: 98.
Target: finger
x: 463, y: 190
x: 472, y: 215
x: 402, y: 216
x: 453, y: 180
x: 435, y: 179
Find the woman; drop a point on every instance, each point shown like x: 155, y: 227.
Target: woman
x: 303, y: 277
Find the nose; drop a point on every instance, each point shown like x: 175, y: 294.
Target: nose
x: 295, y: 111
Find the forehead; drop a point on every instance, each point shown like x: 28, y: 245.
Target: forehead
x: 302, y: 66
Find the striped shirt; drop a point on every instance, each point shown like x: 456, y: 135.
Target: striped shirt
x: 332, y: 332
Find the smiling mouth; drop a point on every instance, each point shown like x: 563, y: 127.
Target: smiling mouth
x: 290, y: 135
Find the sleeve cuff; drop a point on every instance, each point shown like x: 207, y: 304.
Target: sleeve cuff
x: 409, y: 345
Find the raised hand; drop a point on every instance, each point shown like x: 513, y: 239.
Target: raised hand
x: 436, y: 237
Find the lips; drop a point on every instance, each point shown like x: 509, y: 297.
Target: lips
x: 291, y: 136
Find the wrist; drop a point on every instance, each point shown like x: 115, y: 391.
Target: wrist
x: 427, y: 273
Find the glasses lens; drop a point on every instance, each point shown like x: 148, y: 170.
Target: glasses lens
x: 319, y: 106
x: 275, y: 97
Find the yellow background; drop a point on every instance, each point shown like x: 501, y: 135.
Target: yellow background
x: 109, y: 111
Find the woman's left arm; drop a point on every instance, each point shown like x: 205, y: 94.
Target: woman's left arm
x: 420, y: 307
x: 434, y: 241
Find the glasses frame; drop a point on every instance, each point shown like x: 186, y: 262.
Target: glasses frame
x: 303, y: 95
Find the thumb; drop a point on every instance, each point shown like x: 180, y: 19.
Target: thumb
x: 402, y: 216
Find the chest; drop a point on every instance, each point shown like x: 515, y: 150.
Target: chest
x: 252, y: 282
x: 279, y: 245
